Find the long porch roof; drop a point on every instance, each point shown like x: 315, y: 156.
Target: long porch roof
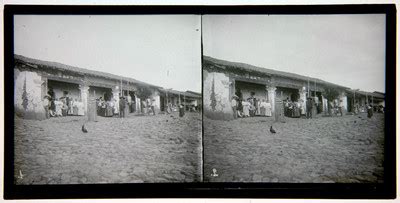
x: 363, y: 94
x: 36, y: 63
x: 270, y: 72
x: 64, y: 67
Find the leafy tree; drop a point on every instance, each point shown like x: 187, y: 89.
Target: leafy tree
x: 330, y: 94
x: 144, y: 93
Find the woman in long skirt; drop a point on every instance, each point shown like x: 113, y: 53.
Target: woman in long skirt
x: 58, y: 105
x: 75, y: 107
x: 268, y: 109
x: 263, y: 106
x: 246, y: 108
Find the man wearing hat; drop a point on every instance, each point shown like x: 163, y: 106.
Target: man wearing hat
x: 234, y: 106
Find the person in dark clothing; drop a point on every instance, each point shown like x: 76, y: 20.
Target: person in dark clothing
x: 122, y: 107
x: 369, y: 110
x: 309, y: 106
x: 240, y: 108
x: 181, y: 110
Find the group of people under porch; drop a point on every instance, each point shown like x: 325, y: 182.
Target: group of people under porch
x: 125, y: 105
x: 253, y: 106
x: 172, y: 107
x: 62, y: 106
x: 368, y: 107
x: 250, y: 107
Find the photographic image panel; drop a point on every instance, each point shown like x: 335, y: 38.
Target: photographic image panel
x: 107, y: 99
x: 294, y: 98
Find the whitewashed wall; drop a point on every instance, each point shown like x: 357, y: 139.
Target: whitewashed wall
x: 33, y: 89
x: 221, y: 89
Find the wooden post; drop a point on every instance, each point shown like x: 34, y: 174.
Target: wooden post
x: 308, y: 87
x: 315, y: 87
x: 372, y: 101
x: 121, y: 88
x: 166, y: 95
x: 354, y: 102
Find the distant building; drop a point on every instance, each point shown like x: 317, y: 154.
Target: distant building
x: 223, y: 79
x: 33, y: 79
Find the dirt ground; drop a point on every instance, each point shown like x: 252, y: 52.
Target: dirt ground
x: 135, y: 149
x: 346, y: 149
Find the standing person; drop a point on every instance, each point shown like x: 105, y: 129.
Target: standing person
x: 296, y: 110
x: 46, y: 106
x: 148, y: 105
x: 68, y: 103
x: 52, y: 106
x: 75, y: 107
x: 239, y: 107
x: 181, y: 110
x: 256, y: 106
x: 126, y: 108
x: 246, y: 108
x: 169, y: 108
x: 58, y: 106
x: 234, y: 106
x: 340, y: 107
x: 356, y: 108
x: 251, y: 106
x: 122, y: 107
x: 152, y: 104
x: 64, y: 106
x: 112, y: 106
x: 116, y: 107
x: 268, y: 108
x: 301, y: 107
x: 129, y: 103
x: 369, y: 109
x: 309, y: 107
x: 143, y: 106
x: 263, y: 106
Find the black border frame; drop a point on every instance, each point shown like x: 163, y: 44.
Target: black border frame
x: 386, y: 190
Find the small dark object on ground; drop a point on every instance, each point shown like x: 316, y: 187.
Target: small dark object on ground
x: 272, y: 130
x: 84, y: 128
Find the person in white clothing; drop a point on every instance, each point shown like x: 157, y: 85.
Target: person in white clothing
x: 268, y: 109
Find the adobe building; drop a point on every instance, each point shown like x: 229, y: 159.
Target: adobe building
x: 176, y: 98
x: 223, y: 79
x: 33, y: 79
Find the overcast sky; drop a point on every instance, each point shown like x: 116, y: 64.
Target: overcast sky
x: 348, y: 50
x: 163, y: 50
